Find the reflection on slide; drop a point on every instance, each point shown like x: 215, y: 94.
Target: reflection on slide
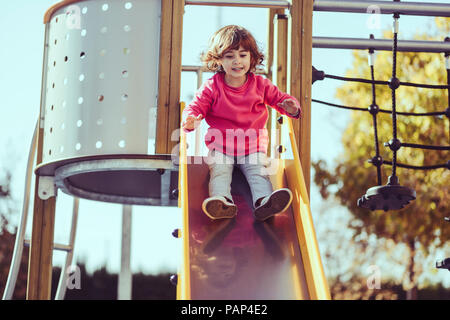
x: 241, y: 258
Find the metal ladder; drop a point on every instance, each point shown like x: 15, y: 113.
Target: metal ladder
x: 20, y: 241
x: 125, y: 276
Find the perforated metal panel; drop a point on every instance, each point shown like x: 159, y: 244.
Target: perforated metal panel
x: 102, y: 79
x: 99, y: 103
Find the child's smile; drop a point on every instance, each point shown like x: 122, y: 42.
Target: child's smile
x: 236, y: 64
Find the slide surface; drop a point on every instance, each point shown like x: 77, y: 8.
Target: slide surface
x: 241, y: 258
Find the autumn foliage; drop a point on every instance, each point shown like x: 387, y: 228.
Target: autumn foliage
x: 420, y: 226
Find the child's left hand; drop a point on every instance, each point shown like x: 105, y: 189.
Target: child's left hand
x: 290, y: 106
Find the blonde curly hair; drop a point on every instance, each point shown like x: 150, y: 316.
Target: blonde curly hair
x: 231, y: 38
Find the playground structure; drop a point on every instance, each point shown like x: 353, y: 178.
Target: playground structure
x: 105, y: 132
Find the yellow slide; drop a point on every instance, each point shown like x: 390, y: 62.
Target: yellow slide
x: 242, y: 258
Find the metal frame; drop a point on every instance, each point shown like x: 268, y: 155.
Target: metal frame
x: 380, y: 44
x: 125, y: 280
x: 384, y: 7
x: 66, y: 171
x: 351, y: 6
x: 242, y: 3
x: 199, y: 72
x: 20, y: 241
x: 124, y: 287
x: 61, y: 290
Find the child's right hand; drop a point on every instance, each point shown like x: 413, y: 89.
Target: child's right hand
x: 191, y: 122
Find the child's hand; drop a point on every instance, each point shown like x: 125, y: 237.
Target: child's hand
x: 191, y: 122
x: 290, y: 106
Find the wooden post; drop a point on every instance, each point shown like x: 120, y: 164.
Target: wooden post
x: 175, y: 71
x: 299, y: 77
x: 41, y: 246
x: 41, y: 250
x: 165, y: 46
x: 169, y: 74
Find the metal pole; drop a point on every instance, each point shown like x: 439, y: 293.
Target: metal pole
x: 191, y: 68
x: 198, y: 136
x: 380, y: 44
x: 165, y: 187
x: 125, y: 276
x: 242, y: 3
x: 384, y: 7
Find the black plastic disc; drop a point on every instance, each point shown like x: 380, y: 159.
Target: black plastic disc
x: 443, y: 264
x: 388, y: 197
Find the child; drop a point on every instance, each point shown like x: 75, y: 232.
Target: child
x: 233, y: 103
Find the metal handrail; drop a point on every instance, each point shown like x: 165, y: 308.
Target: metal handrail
x: 351, y: 6
x: 191, y: 68
x: 199, y: 71
x: 380, y: 44
x: 61, y: 290
x: 384, y: 7
x: 20, y: 235
x: 20, y: 241
x: 273, y: 4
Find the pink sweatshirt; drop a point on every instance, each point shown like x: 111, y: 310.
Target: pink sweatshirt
x: 237, y: 116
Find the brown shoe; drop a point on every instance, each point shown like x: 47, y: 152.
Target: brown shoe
x: 278, y: 201
x: 219, y: 208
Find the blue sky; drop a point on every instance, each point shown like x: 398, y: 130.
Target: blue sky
x: 153, y: 247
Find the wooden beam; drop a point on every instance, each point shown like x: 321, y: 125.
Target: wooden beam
x: 175, y: 72
x: 299, y: 77
x: 306, y: 76
x: 169, y: 74
x: 165, y: 48
x: 41, y: 250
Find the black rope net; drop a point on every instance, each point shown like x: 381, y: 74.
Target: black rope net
x: 391, y: 196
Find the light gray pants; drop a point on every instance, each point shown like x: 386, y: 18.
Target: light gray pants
x: 253, y: 166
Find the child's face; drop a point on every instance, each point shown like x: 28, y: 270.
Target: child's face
x: 236, y: 63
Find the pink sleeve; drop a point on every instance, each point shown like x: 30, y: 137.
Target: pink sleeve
x: 273, y: 96
x: 201, y: 103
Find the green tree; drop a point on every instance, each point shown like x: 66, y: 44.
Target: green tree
x: 419, y: 226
